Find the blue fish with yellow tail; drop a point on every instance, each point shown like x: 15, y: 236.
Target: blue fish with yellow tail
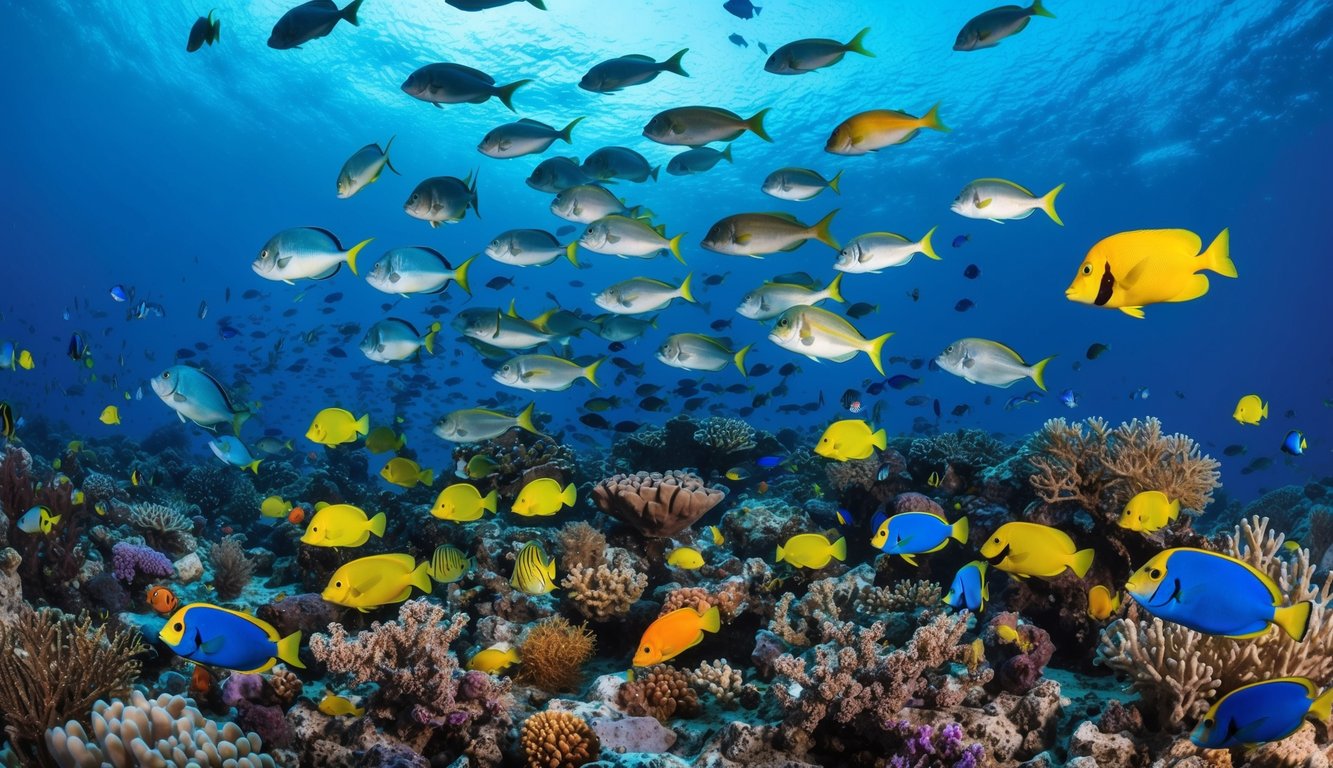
x: 1215, y: 594
x: 969, y: 589
x: 1260, y: 712
x: 907, y: 534
x: 220, y: 637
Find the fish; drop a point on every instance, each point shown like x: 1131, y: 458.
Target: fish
x: 448, y: 564
x: 370, y: 582
x: 524, y: 137
x: 1008, y: 633
x: 463, y: 503
x: 673, y: 633
x: 810, y: 54
x: 38, y: 519
x: 908, y: 534
x: 587, y: 203
x: 7, y: 424
x: 716, y: 535
x: 986, y: 30
x: 1149, y: 511
x: 738, y: 474
x: 1101, y: 603
x: 417, y: 269
x: 383, y: 440
x: 860, y: 309
x: 534, y: 573
x: 622, y: 236
x: 447, y: 83
x: 969, y: 588
x: 697, y: 126
x: 999, y: 200
x: 339, y: 706
x: 310, y: 21
x: 698, y: 160
x: 741, y: 9
x: 1235, y: 449
x: 772, y: 299
x: 972, y: 268
x: 342, y: 525
x: 78, y: 348
x: 901, y: 381
x: 1294, y: 443
x: 296, y: 516
x: 738, y: 41
x: 877, y: 251
x: 162, y: 600
x: 799, y: 184
x: 607, y: 163
x: 220, y: 637
x: 818, y: 333
x: 443, y: 200
x: 759, y: 234
x: 473, y: 425
x: 1130, y: 270
x: 876, y: 129
x: 545, y: 373
x: 198, y: 397
x: 1031, y: 549
x: 1096, y: 349
x: 499, y: 329
x: 981, y: 361
x: 696, y: 352
x: 972, y: 272
x: 543, y: 497
x: 687, y: 558
x: 485, y: 5
x: 364, y: 168
x: 478, y: 467
x: 406, y: 473
x: 393, y: 340
x: 612, y: 75
x: 811, y: 550
x: 110, y: 416
x: 642, y: 294
x: 1215, y: 594
x: 849, y: 440
x: 1253, y: 714
x: 205, y: 30
x: 1250, y: 409
x: 495, y: 659
x: 1139, y: 394
x: 336, y: 426
x: 230, y: 450
x: 556, y: 174
x: 304, y: 253
x: 964, y: 305
x: 526, y: 248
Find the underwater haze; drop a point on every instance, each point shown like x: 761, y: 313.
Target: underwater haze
x: 1177, y: 151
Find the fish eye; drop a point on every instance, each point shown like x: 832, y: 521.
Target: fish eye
x: 414, y: 198
x: 1155, y: 573
x: 166, y: 374
x: 337, y: 583
x: 178, y: 626
x: 1209, y: 722
x: 1087, y: 269
x: 996, y: 539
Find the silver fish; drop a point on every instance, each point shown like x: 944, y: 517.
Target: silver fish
x: 472, y: 425
x: 801, y: 56
x: 364, y: 167
x: 528, y: 248
x: 525, y: 137
x: 446, y: 83
x: 642, y: 294
x: 619, y: 163
x: 545, y: 373
x: 635, y: 69
x: 391, y: 340
x: 989, y: 28
x: 798, y: 184
x: 304, y: 252
x: 556, y: 174
x: 693, y: 161
x: 697, y: 126
x: 772, y: 299
x: 443, y: 199
x: 981, y: 361
x: 586, y: 203
x: 198, y: 397
x: 417, y: 269
x: 697, y: 352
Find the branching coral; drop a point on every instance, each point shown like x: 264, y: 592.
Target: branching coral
x: 725, y: 435
x: 554, y: 653
x: 663, y: 692
x: 902, y: 596
x: 559, y: 740
x: 971, y: 449
x: 657, y: 504
x: 164, y: 528
x: 53, y: 667
x: 232, y: 568
x: 605, y: 592
x: 131, y: 561
x: 718, y: 679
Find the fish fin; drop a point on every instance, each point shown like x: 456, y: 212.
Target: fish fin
x: 214, y: 645
x: 932, y: 119
x: 571, y: 252
x: 388, y: 163
x: 756, y: 125
x: 839, y: 550
x: 352, y: 254
x: 524, y: 420
x: 778, y: 557
x: 460, y: 275
x: 363, y: 425
x: 876, y: 350
x: 674, y: 245
x: 686, y: 292
x: 910, y: 559
x: 428, y: 341
x: 1173, y: 511
x: 1039, y: 372
x: 1081, y: 562
x: 289, y: 650
x: 349, y: 13
x: 1323, y: 706
x: 569, y: 496
x: 983, y: 203
x: 1038, y: 9
x: 673, y: 65
x: 926, y: 246
x: 1048, y: 204
x: 420, y: 577
x: 879, y: 439
x: 1294, y: 619
x: 590, y: 373
x: 1133, y: 311
x: 1218, y: 256
x: 834, y: 289
x: 427, y: 477
x: 376, y: 525
x: 238, y: 420
x: 488, y: 502
x: 538, y: 4
x: 822, y: 233
x: 710, y: 620
x: 254, y: 466
x: 856, y: 44
x: 506, y: 93
x: 567, y: 133
x: 960, y: 530
x: 739, y: 359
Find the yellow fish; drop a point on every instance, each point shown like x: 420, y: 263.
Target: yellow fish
x: 497, y: 658
x: 934, y: 480
x: 337, y: 706
x: 100, y: 508
x: 878, y: 128
x: 342, y: 525
x: 1010, y: 635
x: 850, y: 439
x: 1030, y: 549
x: 1149, y: 511
x: 1101, y: 603
x: 533, y: 573
x: 717, y: 535
x: 811, y: 550
x: 672, y: 634
x: 74, y: 446
x: 38, y: 520
x: 448, y: 564
x: 376, y: 580
x: 463, y: 503
x: 335, y: 426
x: 25, y: 360
x: 1149, y: 266
x: 1250, y: 410
x: 274, y: 506
x: 110, y: 416
x: 543, y: 497
x: 383, y: 440
x: 480, y: 466
x: 688, y: 558
x: 77, y: 498
x: 406, y: 473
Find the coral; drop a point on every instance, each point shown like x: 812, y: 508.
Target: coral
x: 662, y: 692
x: 729, y: 596
x: 99, y: 487
x: 826, y: 600
x: 221, y: 491
x: 559, y: 740
x: 164, y: 528
x: 1320, y: 536
x: 519, y: 457
x: 167, y: 730
x: 605, y: 592
x: 657, y: 504
x: 1282, y: 506
x: 725, y: 435
x: 1018, y: 664
x: 132, y: 561
x: 923, y: 746
x: 232, y: 568
x: 11, y: 586
x: 1176, y: 671
x: 53, y: 667
x: 718, y: 679
x: 858, y: 477
x: 581, y: 546
x: 286, y: 685
x: 902, y: 596
x: 554, y: 653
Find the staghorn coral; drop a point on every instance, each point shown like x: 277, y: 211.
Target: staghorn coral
x: 164, y: 528
x: 657, y: 504
x: 232, y: 568
x: 559, y: 740
x: 662, y: 692
x: 1176, y: 671
x: 53, y: 667
x: 718, y: 679
x: 725, y: 435
x: 554, y: 653
x: 605, y: 592
x: 167, y: 730
x: 581, y: 546
x: 902, y: 596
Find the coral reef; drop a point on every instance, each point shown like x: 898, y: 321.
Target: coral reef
x: 657, y: 504
x: 719, y: 680
x: 581, y: 546
x: 604, y: 592
x: 554, y: 653
x: 232, y: 568
x: 558, y: 740
x: 725, y: 435
x: 519, y: 458
x: 923, y: 746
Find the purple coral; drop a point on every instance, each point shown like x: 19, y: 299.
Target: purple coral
x: 129, y: 561
x: 925, y: 747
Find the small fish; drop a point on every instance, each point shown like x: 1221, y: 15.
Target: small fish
x: 406, y: 473
x: 463, y: 503
x: 339, y: 706
x: 848, y: 440
x: 534, y: 573
x: 811, y: 550
x: 296, y: 516
x: 274, y: 506
x: 1294, y: 443
x: 524, y: 137
x: 989, y: 362
x: 336, y: 426
x: 1070, y: 398
x: 1235, y: 449
x: 1000, y: 200
x: 1096, y: 349
x: 473, y: 425
x: 220, y: 637
x: 446, y: 83
x: 1031, y: 549
x: 1130, y: 270
x: 1102, y: 603
x: 697, y: 126
x: 1149, y: 511
x: 205, y: 30
x: 969, y: 588
x: 78, y: 348
x: 673, y: 633
x: 687, y: 558
x: 118, y: 294
x: 622, y: 72
x: 860, y: 309
x: 934, y: 481
x: 1251, y: 409
x: 799, y: 184
x: 370, y: 582
x: 448, y: 564
x: 162, y: 600
x: 1139, y: 394
x: 876, y: 129
x: 342, y: 525
x: 716, y: 533
x: 110, y: 416
x: 741, y: 9
x: 310, y: 21
x: 737, y: 40
x: 201, y: 682
x: 820, y: 334
x: 988, y: 29
x: 958, y: 243
x: 908, y: 534
x: 960, y: 409
x: 543, y: 497
x: 479, y: 466
x: 7, y: 424
x: 810, y: 54
x: 1007, y: 633
x: 964, y: 305
x: 851, y: 401
x: 38, y: 520
x: 304, y: 253
x: 494, y: 659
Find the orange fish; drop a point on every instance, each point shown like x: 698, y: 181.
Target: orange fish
x: 296, y: 516
x: 671, y: 634
x: 763, y: 487
x: 226, y: 530
x: 200, y: 682
x: 162, y: 600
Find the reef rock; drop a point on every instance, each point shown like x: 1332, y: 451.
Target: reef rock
x: 1108, y: 750
x: 633, y: 734
x: 189, y: 568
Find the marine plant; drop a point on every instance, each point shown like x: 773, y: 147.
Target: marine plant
x: 232, y: 568
x: 554, y: 653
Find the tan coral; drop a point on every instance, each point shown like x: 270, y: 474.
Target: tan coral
x: 559, y: 740
x: 902, y: 596
x: 554, y: 653
x: 286, y: 685
x: 232, y: 568
x: 581, y: 546
x: 657, y: 504
x: 729, y: 596
x: 662, y: 692
x: 164, y: 528
x: 718, y: 679
x: 606, y: 591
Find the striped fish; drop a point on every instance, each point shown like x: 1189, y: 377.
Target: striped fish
x: 7, y: 426
x: 533, y: 572
x: 448, y: 564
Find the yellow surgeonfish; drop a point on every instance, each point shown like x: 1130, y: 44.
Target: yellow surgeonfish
x: 26, y: 361
x: 533, y: 573
x: 1251, y: 410
x: 463, y: 503
x: 811, y: 550
x: 717, y: 535
x: 110, y: 416
x: 494, y: 659
x: 1101, y: 603
x: 377, y: 580
x: 383, y: 440
x: 849, y: 439
x: 342, y: 525
x: 1008, y: 634
x: 1149, y: 511
x: 406, y: 473
x: 274, y: 506
x: 338, y: 706
x: 335, y: 426
x: 1131, y: 270
x: 687, y: 558
x: 1031, y: 549
x: 543, y: 497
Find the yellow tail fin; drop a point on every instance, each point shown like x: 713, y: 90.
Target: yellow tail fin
x: 710, y: 620
x: 739, y: 358
x: 876, y: 350
x: 460, y: 275
x: 289, y: 650
x: 352, y: 254
x: 674, y: 245
x: 822, y: 233
x: 569, y: 495
x: 254, y: 466
x: 960, y: 530
x: 839, y: 550
x: 932, y: 119
x: 833, y: 182
x: 427, y: 477
x: 1294, y: 620
x: 1039, y: 372
x: 506, y: 93
x: 926, y: 247
x: 1218, y: 256
x: 488, y: 502
x: 567, y: 135
x: 756, y: 125
x: 1038, y: 9
x: 686, y: 292
x: 590, y: 373
x: 1048, y: 204
x: 572, y: 253
x: 879, y: 439
x: 1322, y: 706
x: 429, y: 341
x: 525, y: 419
x: 420, y: 577
x: 1081, y: 562
x: 857, y: 44
x: 363, y: 425
x: 834, y: 288
x: 377, y: 524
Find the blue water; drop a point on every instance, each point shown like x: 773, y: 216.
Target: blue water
x: 129, y: 161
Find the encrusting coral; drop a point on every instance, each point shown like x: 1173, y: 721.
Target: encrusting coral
x: 558, y: 740
x: 232, y: 568
x: 554, y: 653
x: 658, y: 504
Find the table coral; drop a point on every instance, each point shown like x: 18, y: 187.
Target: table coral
x: 657, y: 504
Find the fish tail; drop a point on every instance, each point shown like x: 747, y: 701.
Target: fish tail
x: 567, y: 135
x: 857, y: 44
x: 1048, y: 204
x: 572, y: 252
x: 1218, y: 256
x: 352, y: 254
x: 289, y: 647
x: 254, y: 466
x: 420, y: 577
x: 778, y: 557
x: 488, y: 502
x: 726, y: 153
x: 932, y: 120
x: 349, y: 13
x: 739, y: 358
x: 1173, y: 511
x: 590, y: 373
x: 653, y: 172
x: 686, y: 292
x: 215, y: 32
x: 710, y: 620
x: 756, y: 125
x: 1294, y: 619
x: 876, y: 349
x: 674, y: 245
x: 839, y: 550
x: 960, y: 530
x: 288, y: 445
x: 926, y: 246
x: 524, y: 420
x: 569, y: 496
x: 822, y: 233
x: 834, y: 289
x: 427, y: 477
x: 363, y: 425
x: 387, y: 162
x: 506, y: 93
x: 538, y: 4
x: 377, y: 525
x: 429, y: 341
x: 1264, y: 411
x: 472, y: 186
x: 460, y: 275
x: 1322, y: 707
x: 238, y: 420
x: 1081, y: 562
x: 879, y: 439
x: 1038, y: 9
x: 673, y: 64
x: 833, y: 182
x: 1039, y: 372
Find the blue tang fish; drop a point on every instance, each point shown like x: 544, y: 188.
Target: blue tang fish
x: 969, y: 589
x: 1265, y: 711
x: 913, y: 533
x: 1212, y: 593
x: 1294, y: 443
x: 220, y: 637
